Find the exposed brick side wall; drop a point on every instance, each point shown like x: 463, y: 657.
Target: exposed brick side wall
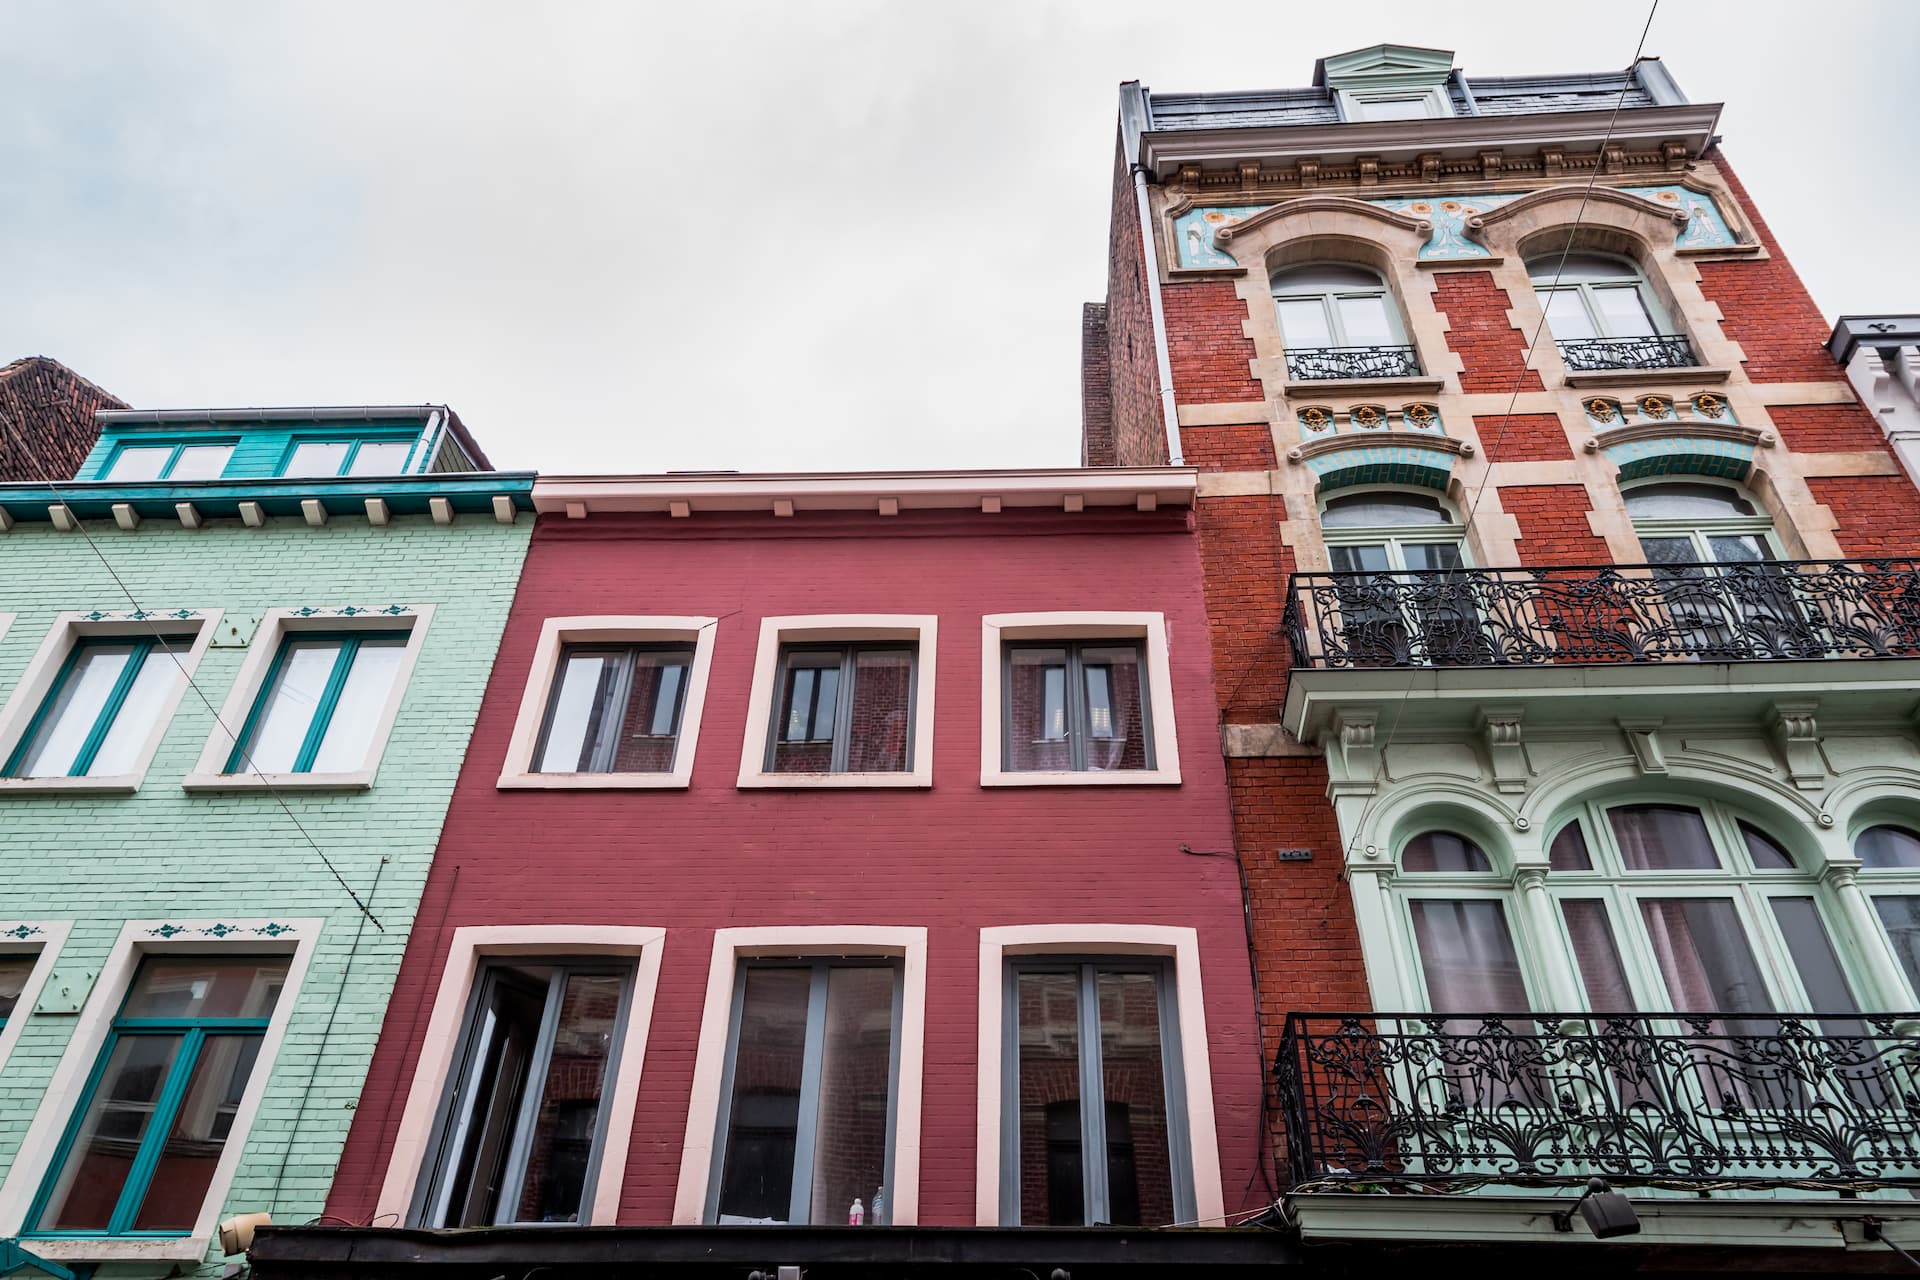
x: 1096, y: 388
x: 1876, y: 515
x: 1207, y: 343
x: 49, y: 411
x: 1244, y: 446
x: 1491, y: 349
x: 1139, y: 426
x: 1523, y: 437
x: 1766, y: 309
x: 1553, y: 524
x: 1246, y: 570
x: 1828, y: 428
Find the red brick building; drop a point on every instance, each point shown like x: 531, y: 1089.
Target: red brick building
x: 1562, y: 635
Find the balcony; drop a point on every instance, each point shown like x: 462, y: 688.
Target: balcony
x: 1349, y: 364
x: 1411, y: 1102
x: 1654, y: 351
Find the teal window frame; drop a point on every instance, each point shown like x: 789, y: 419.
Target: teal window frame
x: 193, y: 1033
x: 230, y: 443
x: 350, y: 643
x: 354, y: 444
x: 109, y: 710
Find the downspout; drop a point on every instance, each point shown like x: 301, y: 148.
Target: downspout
x: 1133, y: 119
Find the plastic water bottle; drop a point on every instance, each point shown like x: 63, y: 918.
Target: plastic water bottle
x: 857, y: 1215
x: 880, y: 1207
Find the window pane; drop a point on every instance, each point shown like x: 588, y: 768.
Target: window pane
x: 1037, y: 710
x: 1662, y: 837
x: 1569, y: 850
x: 1116, y: 734
x: 141, y: 462
x: 1368, y: 510
x: 317, y: 458
x: 198, y: 1134
x: 856, y: 1079
x: 1303, y: 323
x: 493, y: 1080
x: 1597, y: 956
x: 1741, y: 548
x: 877, y: 730
x: 1365, y: 322
x: 561, y: 1148
x: 1685, y: 502
x: 1887, y: 847
x: 1567, y: 315
x: 139, y: 711
x: 1765, y: 851
x: 1052, y: 1192
x: 287, y: 708
x: 88, y: 1185
x: 1432, y: 556
x: 1392, y: 108
x: 1670, y: 551
x: 1623, y: 311
x: 577, y: 717
x: 1813, y: 956
x: 1132, y: 1070
x: 809, y: 705
x: 357, y: 711
x: 386, y: 458
x: 1443, y: 851
x: 76, y: 708
x: 1901, y: 917
x: 1364, y: 557
x: 1468, y: 956
x: 1704, y: 955
x: 13, y: 980
x: 652, y: 719
x: 201, y: 462
x: 763, y: 1122
x: 206, y: 987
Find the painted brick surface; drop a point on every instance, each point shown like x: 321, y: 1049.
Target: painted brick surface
x: 955, y: 858
x: 162, y: 853
x: 1523, y: 437
x: 1492, y: 351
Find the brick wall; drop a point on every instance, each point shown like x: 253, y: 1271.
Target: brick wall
x: 1139, y: 424
x: 1876, y: 515
x: 1207, y: 344
x: 49, y: 413
x: 1491, y: 349
x: 1523, y: 437
x: 166, y: 854
x: 1243, y: 446
x: 1553, y: 524
x: 1828, y: 428
x: 1096, y: 388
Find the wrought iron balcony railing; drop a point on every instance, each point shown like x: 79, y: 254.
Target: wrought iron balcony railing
x: 1655, y: 351
x: 1766, y: 1099
x: 1605, y: 614
x: 1321, y: 364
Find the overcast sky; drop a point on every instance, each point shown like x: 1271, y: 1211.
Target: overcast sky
x: 762, y: 236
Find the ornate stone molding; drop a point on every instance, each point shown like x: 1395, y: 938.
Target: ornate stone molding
x: 1506, y: 749
x: 1643, y: 739
x: 1795, y: 731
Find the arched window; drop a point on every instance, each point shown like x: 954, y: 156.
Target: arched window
x: 1458, y: 917
x: 1890, y: 873
x: 1394, y: 551
x: 1382, y: 530
x: 1330, y: 310
x: 1695, y: 523
x: 1603, y: 313
x: 1714, y: 552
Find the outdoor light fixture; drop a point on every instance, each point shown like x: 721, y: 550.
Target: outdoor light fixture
x: 1608, y: 1213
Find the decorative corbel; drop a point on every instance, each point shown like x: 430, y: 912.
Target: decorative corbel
x: 1369, y: 169
x: 1674, y: 156
x: 1614, y: 158
x: 1500, y: 727
x: 1490, y: 165
x: 1796, y: 735
x: 1430, y: 166
x: 1309, y: 172
x: 1351, y: 749
x: 1643, y: 739
x: 1190, y: 176
x: 1249, y: 174
x: 1553, y: 161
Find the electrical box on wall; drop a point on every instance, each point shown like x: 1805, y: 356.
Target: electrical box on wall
x: 66, y: 990
x: 1294, y: 855
x: 234, y: 632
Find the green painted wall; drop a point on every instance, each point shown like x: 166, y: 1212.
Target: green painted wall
x: 100, y: 861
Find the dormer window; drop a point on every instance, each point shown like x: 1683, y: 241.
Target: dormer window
x: 323, y: 458
x: 135, y: 463
x: 1427, y: 104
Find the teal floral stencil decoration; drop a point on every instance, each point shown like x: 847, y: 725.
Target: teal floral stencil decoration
x: 21, y: 931
x: 167, y: 931
x: 274, y: 929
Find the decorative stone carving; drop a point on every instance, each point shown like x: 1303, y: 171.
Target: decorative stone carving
x: 1506, y: 752
x: 1643, y: 739
x: 1796, y: 735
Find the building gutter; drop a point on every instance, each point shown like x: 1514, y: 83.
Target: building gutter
x: 314, y: 413
x: 1133, y: 125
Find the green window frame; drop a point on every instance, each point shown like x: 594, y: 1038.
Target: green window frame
x: 44, y: 721
x: 175, y: 449
x: 350, y: 645
x: 353, y: 445
x: 156, y: 1134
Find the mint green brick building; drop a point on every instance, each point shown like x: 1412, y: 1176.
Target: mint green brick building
x: 229, y: 707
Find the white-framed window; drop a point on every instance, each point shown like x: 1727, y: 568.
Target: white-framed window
x: 1395, y: 553
x: 831, y: 1021
x: 1889, y: 853
x: 315, y: 700
x: 1591, y: 295
x: 348, y: 457
x: 1335, y: 304
x: 1076, y: 698
x: 610, y: 702
x: 1396, y: 104
x: 1068, y: 1011
x: 97, y: 696
x: 1712, y: 548
x: 842, y: 700
x: 521, y: 1103
x: 135, y: 1143
x: 170, y: 460
x: 28, y: 950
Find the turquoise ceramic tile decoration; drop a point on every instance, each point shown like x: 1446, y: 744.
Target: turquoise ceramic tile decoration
x: 1705, y: 228
x: 1382, y: 464
x: 1194, y: 230
x: 1448, y: 217
x: 1680, y: 455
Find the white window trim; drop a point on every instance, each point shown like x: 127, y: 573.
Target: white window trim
x: 730, y: 947
x: 996, y: 629
x: 187, y: 640
x: 1183, y: 945
x: 44, y: 946
x: 472, y: 945
x: 922, y: 630
x: 273, y: 630
x: 1353, y: 101
x: 555, y: 635
x: 294, y: 938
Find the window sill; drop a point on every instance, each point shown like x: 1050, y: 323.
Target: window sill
x: 833, y: 781
x: 1333, y: 388
x: 122, y: 1249
x: 121, y: 784
x: 592, y: 781
x: 359, y: 781
x: 1083, y: 778
x: 1688, y: 374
